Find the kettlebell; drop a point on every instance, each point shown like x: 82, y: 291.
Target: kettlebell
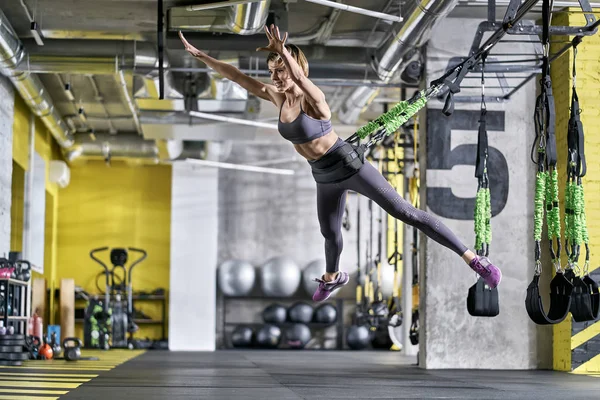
x: 55, y: 344
x: 72, y: 352
x: 45, y: 352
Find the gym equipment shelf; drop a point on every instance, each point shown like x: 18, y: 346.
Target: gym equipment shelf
x: 17, y: 292
x: 143, y: 297
x: 338, y: 324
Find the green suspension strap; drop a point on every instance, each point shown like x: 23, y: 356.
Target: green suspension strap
x: 546, y: 198
x: 482, y: 301
x: 389, y: 122
x: 483, y: 208
x: 585, y: 296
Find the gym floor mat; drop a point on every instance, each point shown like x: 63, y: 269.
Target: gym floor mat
x: 51, y: 379
x: 283, y: 375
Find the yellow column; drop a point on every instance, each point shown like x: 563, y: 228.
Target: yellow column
x: 571, y: 340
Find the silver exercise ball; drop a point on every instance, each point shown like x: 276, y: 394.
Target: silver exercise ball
x: 280, y: 277
x: 314, y: 269
x: 236, y: 277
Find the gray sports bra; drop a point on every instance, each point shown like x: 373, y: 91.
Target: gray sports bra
x: 304, y: 128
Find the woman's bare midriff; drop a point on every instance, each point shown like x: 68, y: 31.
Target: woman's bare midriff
x: 315, y: 149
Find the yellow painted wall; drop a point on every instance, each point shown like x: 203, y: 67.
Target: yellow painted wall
x: 588, y: 85
x: 117, y: 206
x: 47, y: 148
x: 16, y: 207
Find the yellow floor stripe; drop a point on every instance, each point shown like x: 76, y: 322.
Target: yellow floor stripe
x: 40, y: 379
x: 591, y: 366
x: 580, y: 338
x: 49, y: 375
x: 33, y: 391
x: 37, y: 383
x: 57, y: 368
x: 65, y: 385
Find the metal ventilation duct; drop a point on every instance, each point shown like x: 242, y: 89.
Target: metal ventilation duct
x: 129, y: 146
x: 241, y: 19
x: 110, y: 57
x: 29, y: 86
x: 117, y: 147
x: 419, y: 19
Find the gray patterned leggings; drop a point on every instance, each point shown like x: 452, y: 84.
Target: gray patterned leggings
x: 331, y: 200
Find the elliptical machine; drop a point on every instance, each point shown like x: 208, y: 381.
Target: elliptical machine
x: 108, y: 322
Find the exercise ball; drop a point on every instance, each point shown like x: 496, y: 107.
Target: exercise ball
x: 274, y: 314
x: 242, y: 336
x: 325, y: 314
x: 236, y: 277
x: 280, y: 277
x: 314, y: 269
x: 300, y: 312
x: 268, y: 336
x: 358, y: 337
x: 297, y: 336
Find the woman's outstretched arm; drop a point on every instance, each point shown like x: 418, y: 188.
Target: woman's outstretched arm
x: 257, y: 88
x: 314, y: 95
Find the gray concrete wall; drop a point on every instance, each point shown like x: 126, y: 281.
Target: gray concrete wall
x: 7, y: 101
x: 263, y: 216
x: 450, y: 337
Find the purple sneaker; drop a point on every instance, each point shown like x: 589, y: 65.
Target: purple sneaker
x: 326, y: 288
x: 488, y: 271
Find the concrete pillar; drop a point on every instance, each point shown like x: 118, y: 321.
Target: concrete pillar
x: 450, y: 337
x: 7, y: 102
x: 193, y: 280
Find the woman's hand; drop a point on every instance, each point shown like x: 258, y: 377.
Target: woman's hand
x: 276, y: 43
x: 191, y: 49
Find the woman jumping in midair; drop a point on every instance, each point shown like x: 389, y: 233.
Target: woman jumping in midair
x: 305, y: 120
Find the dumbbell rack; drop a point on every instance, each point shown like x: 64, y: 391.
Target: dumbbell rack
x: 17, y: 291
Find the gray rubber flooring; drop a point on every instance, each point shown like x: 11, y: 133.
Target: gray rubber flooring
x: 283, y: 375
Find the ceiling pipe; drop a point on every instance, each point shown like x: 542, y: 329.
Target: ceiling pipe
x: 396, y: 52
x: 72, y: 56
x: 246, y: 45
x: 211, y: 6
x: 125, y: 80
x: 247, y: 18
x: 358, y: 10
x: 106, y: 147
x: 357, y: 69
x: 108, y: 58
x: 29, y: 86
x: 105, y: 57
